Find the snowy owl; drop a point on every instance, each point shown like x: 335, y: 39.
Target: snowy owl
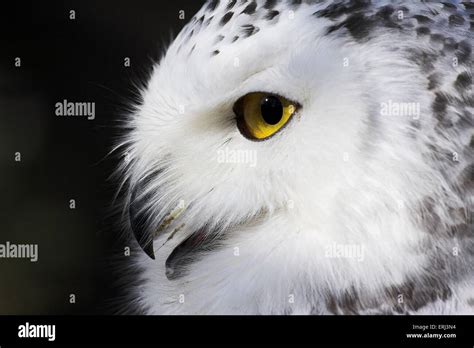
x: 306, y: 157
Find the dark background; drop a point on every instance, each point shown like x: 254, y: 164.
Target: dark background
x: 66, y: 158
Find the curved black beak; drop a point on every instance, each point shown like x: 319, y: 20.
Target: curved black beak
x: 139, y: 221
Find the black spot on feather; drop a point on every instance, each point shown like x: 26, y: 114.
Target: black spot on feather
x: 386, y: 12
x: 249, y: 30
x: 358, y: 25
x: 456, y: 19
x: 212, y: 5
x: 463, y: 81
x: 270, y: 4
x: 437, y: 37
x: 450, y: 44
x: 271, y: 14
x: 250, y: 9
x: 336, y: 10
x: 231, y: 4
x: 423, y: 31
x: 468, y: 5
x: 449, y: 6
x: 463, y: 52
x: 433, y: 81
x: 226, y: 18
x: 422, y: 19
x: 440, y: 105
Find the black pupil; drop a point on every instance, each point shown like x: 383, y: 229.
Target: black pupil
x: 272, y: 110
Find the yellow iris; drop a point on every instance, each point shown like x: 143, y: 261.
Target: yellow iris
x: 261, y: 115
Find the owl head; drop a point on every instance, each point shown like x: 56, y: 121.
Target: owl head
x: 273, y: 129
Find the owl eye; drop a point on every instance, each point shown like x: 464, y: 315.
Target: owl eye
x: 261, y: 115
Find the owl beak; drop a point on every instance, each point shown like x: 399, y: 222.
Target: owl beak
x: 139, y: 222
x: 147, y: 247
x: 144, y: 229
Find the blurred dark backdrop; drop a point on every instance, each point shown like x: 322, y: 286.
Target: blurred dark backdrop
x: 65, y: 158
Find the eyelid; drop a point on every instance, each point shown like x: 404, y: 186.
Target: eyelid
x: 245, y: 86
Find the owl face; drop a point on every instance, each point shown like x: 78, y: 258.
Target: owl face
x: 201, y: 109
x: 261, y: 146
